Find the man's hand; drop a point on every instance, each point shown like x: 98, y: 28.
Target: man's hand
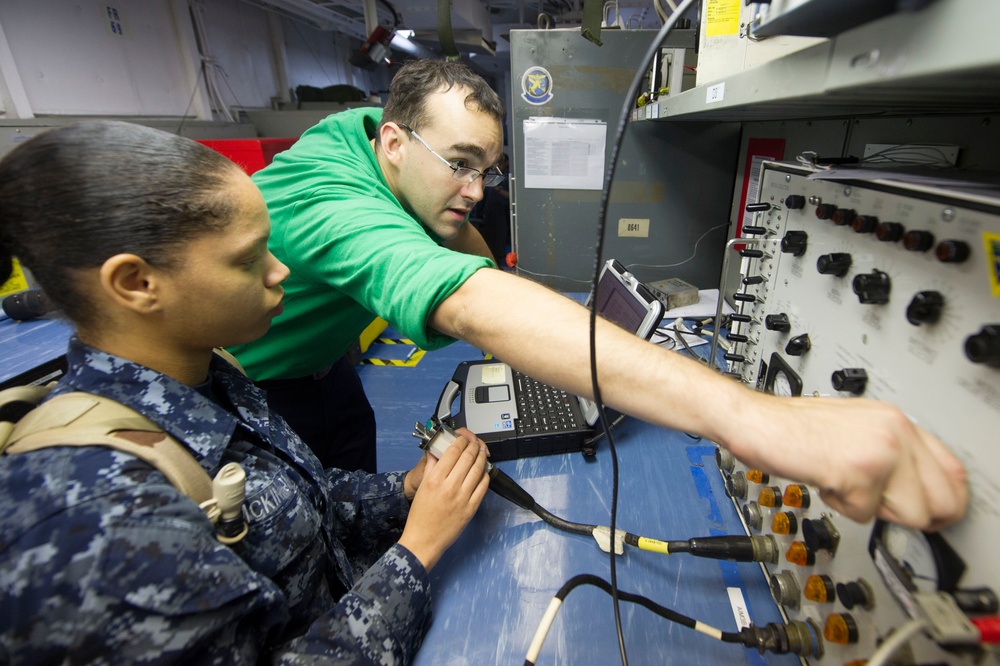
x: 866, y: 457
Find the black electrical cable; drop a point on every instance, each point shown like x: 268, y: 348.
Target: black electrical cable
x: 735, y: 548
x: 564, y: 525
x: 506, y: 487
x: 796, y: 637
x: 600, y: 435
x: 632, y: 94
x: 395, y: 14
x: 662, y: 611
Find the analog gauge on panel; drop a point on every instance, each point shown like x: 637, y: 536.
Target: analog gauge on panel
x: 781, y: 379
x: 914, y: 561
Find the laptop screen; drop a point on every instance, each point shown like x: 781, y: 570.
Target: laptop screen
x: 623, y: 300
x: 620, y: 306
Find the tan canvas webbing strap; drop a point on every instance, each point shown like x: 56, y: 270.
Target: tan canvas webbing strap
x: 83, y: 419
x: 229, y: 358
x: 14, y: 404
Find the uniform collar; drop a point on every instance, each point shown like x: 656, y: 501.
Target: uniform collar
x: 205, y: 426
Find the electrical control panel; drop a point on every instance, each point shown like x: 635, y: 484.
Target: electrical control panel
x: 890, y: 290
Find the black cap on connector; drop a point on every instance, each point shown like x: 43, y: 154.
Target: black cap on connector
x: 796, y: 637
x: 506, y: 487
x: 733, y: 548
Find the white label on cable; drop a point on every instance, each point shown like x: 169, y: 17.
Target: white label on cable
x: 715, y: 93
x: 739, y: 604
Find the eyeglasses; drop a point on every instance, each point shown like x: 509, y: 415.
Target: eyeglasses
x: 491, y: 177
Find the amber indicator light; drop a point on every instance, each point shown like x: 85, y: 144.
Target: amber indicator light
x: 819, y: 589
x: 841, y: 629
x: 784, y: 523
x: 797, y: 553
x: 796, y: 496
x: 770, y: 496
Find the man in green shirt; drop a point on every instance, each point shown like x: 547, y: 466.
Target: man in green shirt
x: 369, y: 211
x: 364, y: 237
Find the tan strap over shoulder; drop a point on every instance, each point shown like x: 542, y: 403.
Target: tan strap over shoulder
x: 84, y: 419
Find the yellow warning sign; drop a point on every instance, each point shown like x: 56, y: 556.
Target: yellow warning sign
x: 722, y: 17
x: 412, y: 357
x: 16, y: 282
x: 992, y: 244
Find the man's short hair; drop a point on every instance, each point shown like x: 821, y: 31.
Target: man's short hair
x: 417, y: 79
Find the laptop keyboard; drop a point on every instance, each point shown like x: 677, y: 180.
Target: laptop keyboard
x: 543, y: 408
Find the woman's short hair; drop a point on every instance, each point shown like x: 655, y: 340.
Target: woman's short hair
x: 74, y: 196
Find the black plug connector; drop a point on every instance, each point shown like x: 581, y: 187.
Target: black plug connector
x: 506, y: 487
x: 800, y: 638
x: 733, y: 548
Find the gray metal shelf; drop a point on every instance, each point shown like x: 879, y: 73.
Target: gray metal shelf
x: 942, y: 59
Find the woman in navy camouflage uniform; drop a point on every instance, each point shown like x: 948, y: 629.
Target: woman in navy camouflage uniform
x: 156, y: 248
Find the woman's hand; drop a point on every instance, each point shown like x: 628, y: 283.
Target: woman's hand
x: 447, y: 494
x: 416, y: 475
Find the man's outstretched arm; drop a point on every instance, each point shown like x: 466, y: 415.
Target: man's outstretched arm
x: 866, y: 456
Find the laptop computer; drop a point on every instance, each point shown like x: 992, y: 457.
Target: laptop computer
x: 518, y: 416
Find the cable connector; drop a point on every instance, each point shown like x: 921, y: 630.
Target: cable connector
x: 733, y: 548
x: 946, y: 624
x: 796, y: 637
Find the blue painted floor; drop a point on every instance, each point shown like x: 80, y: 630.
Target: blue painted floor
x: 492, y: 588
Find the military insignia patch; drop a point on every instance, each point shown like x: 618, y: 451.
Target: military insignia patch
x: 536, y: 85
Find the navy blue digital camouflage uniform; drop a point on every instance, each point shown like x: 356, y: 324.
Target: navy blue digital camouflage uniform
x: 103, y: 561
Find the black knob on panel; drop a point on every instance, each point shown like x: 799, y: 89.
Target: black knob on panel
x: 925, y: 308
x: 872, y: 288
x: 736, y: 316
x: 825, y: 211
x: 751, y: 253
x: 795, y: 201
x: 794, y: 242
x: 737, y: 337
x: 984, y: 346
x: 843, y: 217
x: 852, y: 380
x: 865, y: 224
x: 752, y: 279
x: 856, y: 593
x: 754, y: 230
x: 889, y: 232
x: 918, y: 241
x: 798, y: 345
x: 758, y: 207
x: 744, y: 297
x: 952, y: 251
x: 735, y: 358
x: 818, y: 535
x: 777, y: 322
x: 835, y: 263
